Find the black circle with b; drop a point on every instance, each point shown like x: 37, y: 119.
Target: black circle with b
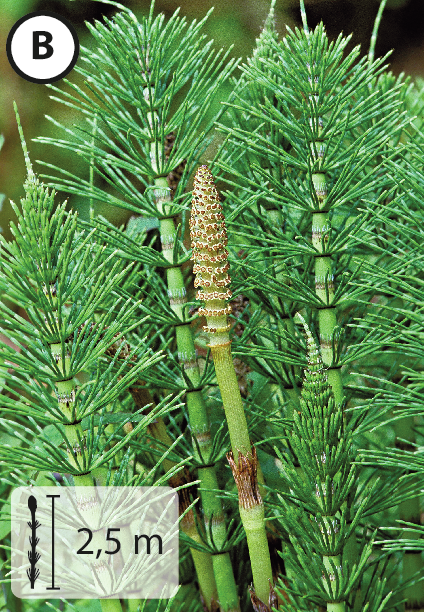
x: 42, y: 47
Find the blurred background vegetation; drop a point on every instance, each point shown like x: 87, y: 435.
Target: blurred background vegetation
x: 236, y: 22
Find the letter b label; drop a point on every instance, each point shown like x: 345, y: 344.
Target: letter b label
x: 41, y: 41
x: 42, y: 47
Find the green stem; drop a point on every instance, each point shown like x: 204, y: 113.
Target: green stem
x: 227, y: 592
x: 324, y: 286
x: 110, y: 605
x: 331, y: 574
x: 253, y: 516
x: 253, y: 524
x: 324, y: 279
x: 251, y: 510
x: 221, y: 583
x: 231, y: 398
x: 202, y: 560
x: 209, y: 238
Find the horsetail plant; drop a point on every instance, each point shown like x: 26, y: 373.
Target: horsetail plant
x: 209, y: 240
x: 300, y: 128
x: 321, y: 445
x: 152, y: 97
x: 48, y: 268
x: 226, y: 592
x: 319, y: 224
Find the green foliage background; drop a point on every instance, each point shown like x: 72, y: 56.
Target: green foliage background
x: 226, y: 28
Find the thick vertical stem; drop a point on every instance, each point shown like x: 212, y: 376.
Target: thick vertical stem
x: 209, y: 238
x: 324, y: 285
x: 323, y: 263
x: 225, y: 590
x: 253, y: 523
x: 251, y: 510
x: 231, y: 398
